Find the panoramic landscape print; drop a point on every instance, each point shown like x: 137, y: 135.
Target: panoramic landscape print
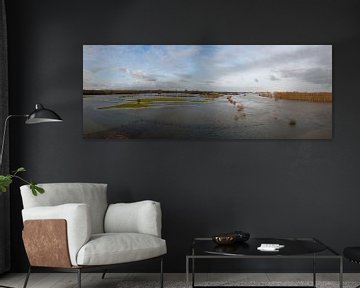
x: 219, y: 92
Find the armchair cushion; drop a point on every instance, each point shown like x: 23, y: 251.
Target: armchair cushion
x: 78, y: 221
x: 138, y: 217
x: 113, y: 248
x: 92, y: 194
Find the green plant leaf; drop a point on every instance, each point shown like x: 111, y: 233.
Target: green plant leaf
x: 36, y: 189
x: 39, y: 189
x: 20, y: 169
x: 5, y: 182
x: 33, y: 189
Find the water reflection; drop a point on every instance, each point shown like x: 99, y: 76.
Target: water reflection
x: 195, y: 117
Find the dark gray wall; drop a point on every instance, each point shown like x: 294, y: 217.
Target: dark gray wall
x: 277, y: 188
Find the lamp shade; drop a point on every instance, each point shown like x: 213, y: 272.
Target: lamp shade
x: 42, y: 115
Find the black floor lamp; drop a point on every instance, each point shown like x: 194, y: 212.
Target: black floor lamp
x: 39, y: 115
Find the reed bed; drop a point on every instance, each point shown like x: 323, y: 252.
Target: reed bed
x: 324, y: 97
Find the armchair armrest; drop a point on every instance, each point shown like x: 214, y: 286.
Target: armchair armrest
x: 77, y: 217
x: 138, y: 217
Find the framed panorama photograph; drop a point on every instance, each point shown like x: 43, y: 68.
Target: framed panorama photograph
x: 200, y: 92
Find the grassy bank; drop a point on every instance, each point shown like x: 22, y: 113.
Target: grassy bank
x: 129, y: 105
x: 159, y: 99
x: 150, y: 101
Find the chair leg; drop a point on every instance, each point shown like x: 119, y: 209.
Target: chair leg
x: 103, y: 275
x: 161, y: 273
x: 79, y: 277
x: 27, y: 277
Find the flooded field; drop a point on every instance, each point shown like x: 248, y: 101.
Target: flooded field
x: 192, y: 116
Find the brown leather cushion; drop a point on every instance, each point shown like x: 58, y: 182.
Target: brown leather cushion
x: 46, y: 243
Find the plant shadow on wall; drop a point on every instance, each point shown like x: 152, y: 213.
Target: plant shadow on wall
x: 6, y: 180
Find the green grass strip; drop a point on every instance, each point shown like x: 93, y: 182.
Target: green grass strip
x: 127, y: 106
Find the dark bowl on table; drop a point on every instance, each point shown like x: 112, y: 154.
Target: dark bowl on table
x: 231, y: 238
x: 225, y: 239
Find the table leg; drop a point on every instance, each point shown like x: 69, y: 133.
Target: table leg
x: 193, y: 272
x: 187, y: 272
x: 314, y: 271
x: 341, y: 273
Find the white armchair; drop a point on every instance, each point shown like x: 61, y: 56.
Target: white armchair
x: 72, y: 228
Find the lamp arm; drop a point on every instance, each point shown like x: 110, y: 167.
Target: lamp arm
x: 4, y: 134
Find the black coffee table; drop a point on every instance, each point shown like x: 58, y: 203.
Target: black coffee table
x: 295, y: 248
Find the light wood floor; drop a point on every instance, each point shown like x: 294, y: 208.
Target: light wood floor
x: 68, y: 280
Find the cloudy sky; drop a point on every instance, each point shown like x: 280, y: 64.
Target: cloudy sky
x: 208, y: 67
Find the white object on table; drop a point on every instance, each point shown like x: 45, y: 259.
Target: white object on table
x: 270, y: 247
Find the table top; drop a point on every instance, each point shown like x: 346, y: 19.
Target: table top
x: 293, y: 247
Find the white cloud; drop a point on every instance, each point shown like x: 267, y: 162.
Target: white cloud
x: 225, y: 67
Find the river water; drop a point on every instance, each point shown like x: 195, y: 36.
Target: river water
x: 259, y: 118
